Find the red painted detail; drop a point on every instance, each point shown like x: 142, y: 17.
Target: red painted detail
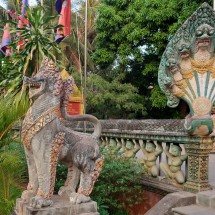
x: 74, y: 108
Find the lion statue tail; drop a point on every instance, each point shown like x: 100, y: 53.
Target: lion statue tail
x: 86, y: 117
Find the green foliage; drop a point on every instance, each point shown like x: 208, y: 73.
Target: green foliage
x: 158, y: 98
x: 117, y: 187
x: 9, y: 77
x: 113, y: 99
x: 61, y: 174
x: 38, y: 41
x: 132, y: 35
x: 13, y: 168
x: 12, y: 107
x: 12, y: 174
x: 12, y: 160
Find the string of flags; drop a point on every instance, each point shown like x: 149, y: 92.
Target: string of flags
x: 63, y: 8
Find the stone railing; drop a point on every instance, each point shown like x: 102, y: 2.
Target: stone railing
x: 153, y: 138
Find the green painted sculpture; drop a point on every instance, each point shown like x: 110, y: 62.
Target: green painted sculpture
x: 130, y: 148
x: 187, y: 70
x: 150, y: 156
x: 172, y: 169
x: 114, y: 146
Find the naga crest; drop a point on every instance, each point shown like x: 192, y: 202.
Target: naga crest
x: 187, y: 70
x: 48, y: 80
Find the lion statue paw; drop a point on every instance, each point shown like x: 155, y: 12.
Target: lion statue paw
x: 78, y: 198
x: 27, y: 195
x: 39, y: 202
x: 65, y: 191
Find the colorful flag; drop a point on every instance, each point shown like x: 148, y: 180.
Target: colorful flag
x: 6, y: 39
x: 65, y: 18
x: 12, y: 13
x: 22, y: 21
x: 58, y: 5
x: 24, y: 12
x: 20, y: 26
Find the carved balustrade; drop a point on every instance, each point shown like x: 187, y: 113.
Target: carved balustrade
x: 128, y: 136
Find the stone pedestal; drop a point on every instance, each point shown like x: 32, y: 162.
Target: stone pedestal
x: 198, y: 157
x: 60, y: 206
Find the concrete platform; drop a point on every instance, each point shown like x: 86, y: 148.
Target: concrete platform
x: 60, y: 207
x: 206, y: 198
x: 193, y: 210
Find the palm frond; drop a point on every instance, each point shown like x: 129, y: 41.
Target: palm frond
x: 12, y: 107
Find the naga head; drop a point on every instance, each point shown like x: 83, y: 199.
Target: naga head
x: 171, y: 62
x: 204, y: 34
x: 184, y: 50
x: 171, y: 65
x: 48, y: 80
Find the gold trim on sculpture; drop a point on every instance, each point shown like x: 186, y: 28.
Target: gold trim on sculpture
x: 179, y: 93
x: 187, y: 74
x: 31, y: 127
x: 181, y: 84
x: 57, y: 144
x: 202, y: 67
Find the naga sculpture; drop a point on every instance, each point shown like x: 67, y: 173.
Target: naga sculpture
x: 150, y: 156
x: 172, y: 170
x: 187, y: 70
x: 46, y: 141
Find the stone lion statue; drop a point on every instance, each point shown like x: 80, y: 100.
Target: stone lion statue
x: 46, y: 141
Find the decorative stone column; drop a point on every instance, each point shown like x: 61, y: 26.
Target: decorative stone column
x: 198, y: 157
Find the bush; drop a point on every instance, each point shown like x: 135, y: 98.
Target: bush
x: 61, y: 174
x: 117, y: 187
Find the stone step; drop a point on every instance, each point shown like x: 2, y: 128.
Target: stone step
x: 206, y: 198
x: 172, y: 200
x: 193, y: 210
x: 61, y: 206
